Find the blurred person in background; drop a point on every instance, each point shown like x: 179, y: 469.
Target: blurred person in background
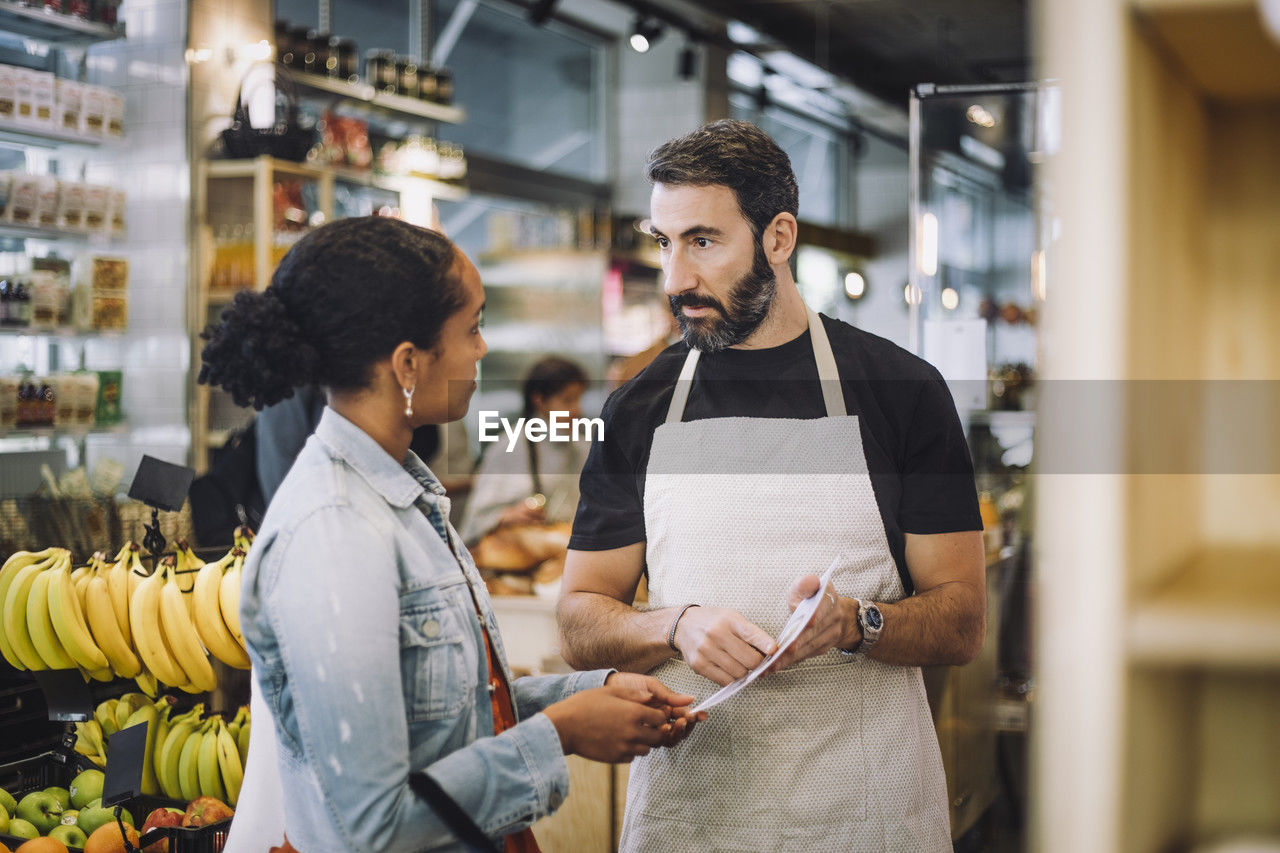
x: 531, y: 482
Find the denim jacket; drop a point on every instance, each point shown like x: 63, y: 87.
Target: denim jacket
x: 363, y: 632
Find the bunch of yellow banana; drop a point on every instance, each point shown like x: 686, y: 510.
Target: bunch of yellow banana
x: 187, y: 756
x: 114, y: 619
x: 114, y: 715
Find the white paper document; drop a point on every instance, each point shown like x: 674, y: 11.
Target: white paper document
x: 800, y: 617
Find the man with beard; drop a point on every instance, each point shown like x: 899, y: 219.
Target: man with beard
x: 767, y: 447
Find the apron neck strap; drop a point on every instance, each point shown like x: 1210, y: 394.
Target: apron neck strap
x: 676, y: 411
x: 828, y: 374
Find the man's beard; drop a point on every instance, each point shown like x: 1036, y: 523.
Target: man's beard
x: 750, y: 299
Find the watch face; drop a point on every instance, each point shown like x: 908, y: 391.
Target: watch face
x: 874, y: 620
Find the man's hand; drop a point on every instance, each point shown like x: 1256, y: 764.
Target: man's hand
x: 720, y: 644
x: 834, y: 624
x: 680, y: 722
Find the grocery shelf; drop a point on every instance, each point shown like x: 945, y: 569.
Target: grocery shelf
x: 392, y: 183
x: 1222, y: 609
x: 54, y: 27
x: 364, y: 95
x: 58, y: 332
x: 46, y: 136
x: 64, y: 431
x: 9, y: 229
x: 401, y: 183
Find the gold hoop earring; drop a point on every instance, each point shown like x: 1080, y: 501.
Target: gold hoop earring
x: 408, y: 400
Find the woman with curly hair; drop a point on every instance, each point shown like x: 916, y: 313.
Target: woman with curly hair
x: 372, y: 637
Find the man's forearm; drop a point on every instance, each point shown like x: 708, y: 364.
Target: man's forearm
x: 599, y: 631
x: 945, y: 625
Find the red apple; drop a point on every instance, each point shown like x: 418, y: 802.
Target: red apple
x: 160, y: 817
x: 203, y: 811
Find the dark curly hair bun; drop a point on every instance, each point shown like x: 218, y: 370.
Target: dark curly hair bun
x: 257, y: 353
x: 343, y: 298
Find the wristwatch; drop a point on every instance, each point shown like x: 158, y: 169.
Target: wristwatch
x: 871, y: 621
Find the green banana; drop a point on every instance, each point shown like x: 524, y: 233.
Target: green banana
x: 229, y: 764
x: 171, y: 750
x: 149, y: 714
x: 127, y: 705
x: 189, y: 764
x: 210, y: 772
x: 105, y: 714
x: 165, y: 706
x: 242, y: 741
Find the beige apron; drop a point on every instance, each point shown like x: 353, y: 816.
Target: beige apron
x: 835, y: 753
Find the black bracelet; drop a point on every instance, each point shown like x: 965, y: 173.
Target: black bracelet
x: 671, y: 635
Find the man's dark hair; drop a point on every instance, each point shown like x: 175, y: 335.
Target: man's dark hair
x: 343, y: 298
x: 733, y: 154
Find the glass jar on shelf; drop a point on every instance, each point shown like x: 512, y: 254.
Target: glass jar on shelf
x: 344, y: 60
x: 380, y: 70
x: 444, y: 86
x: 406, y: 77
x: 316, y: 52
x: 428, y: 83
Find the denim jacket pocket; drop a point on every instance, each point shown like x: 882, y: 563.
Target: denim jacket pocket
x: 438, y: 658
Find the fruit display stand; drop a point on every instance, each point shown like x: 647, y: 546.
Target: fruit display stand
x: 57, y: 768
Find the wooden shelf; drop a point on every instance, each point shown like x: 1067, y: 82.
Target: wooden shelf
x: 52, y: 27
x: 392, y: 183
x: 1221, y: 44
x: 364, y: 95
x: 1220, y: 610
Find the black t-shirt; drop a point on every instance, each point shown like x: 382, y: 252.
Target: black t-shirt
x: 912, y: 439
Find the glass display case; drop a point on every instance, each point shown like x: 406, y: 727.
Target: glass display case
x: 981, y: 223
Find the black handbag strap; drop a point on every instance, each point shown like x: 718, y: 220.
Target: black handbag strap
x: 451, y: 813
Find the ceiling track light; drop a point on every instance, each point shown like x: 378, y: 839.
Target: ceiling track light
x: 540, y: 12
x: 645, y: 32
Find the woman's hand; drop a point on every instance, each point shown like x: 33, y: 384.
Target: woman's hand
x: 617, y: 722
x: 676, y: 705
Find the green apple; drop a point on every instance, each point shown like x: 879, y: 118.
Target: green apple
x: 69, y: 817
x: 7, y: 800
x: 20, y: 828
x: 72, y: 836
x: 92, y: 818
x: 41, y: 809
x: 93, y: 804
x: 4, y: 820
x: 63, y: 795
x: 86, y: 787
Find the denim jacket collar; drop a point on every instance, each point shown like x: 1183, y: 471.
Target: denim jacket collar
x: 400, y: 483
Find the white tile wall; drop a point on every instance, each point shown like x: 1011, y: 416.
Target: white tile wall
x: 149, y: 69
